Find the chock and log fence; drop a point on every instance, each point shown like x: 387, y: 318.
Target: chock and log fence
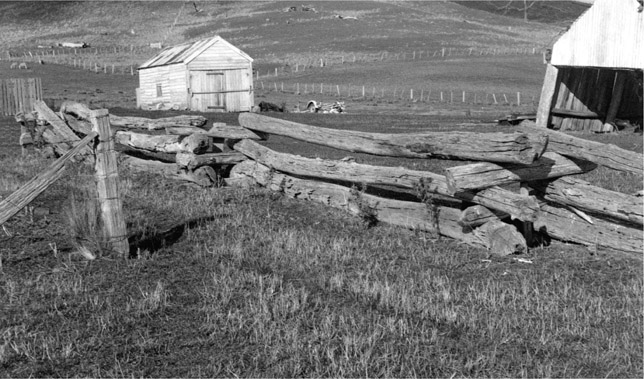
x: 476, y: 203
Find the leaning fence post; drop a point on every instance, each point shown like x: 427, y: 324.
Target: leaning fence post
x: 107, y: 184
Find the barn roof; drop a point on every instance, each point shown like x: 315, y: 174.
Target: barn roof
x: 610, y: 34
x: 186, y: 52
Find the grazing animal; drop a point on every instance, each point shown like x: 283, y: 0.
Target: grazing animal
x: 315, y: 107
x: 23, y: 65
x: 14, y: 65
x: 265, y: 106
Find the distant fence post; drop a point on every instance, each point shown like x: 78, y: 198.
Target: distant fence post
x: 107, y: 184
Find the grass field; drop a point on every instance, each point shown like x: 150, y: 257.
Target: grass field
x: 225, y: 282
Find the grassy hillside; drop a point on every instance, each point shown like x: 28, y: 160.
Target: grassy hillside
x: 265, y: 29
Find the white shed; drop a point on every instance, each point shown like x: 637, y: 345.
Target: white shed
x: 209, y: 75
x: 594, y: 76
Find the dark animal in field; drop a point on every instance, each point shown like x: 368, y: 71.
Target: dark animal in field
x: 270, y: 107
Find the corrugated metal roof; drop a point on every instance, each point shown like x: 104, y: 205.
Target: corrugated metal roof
x: 186, y: 52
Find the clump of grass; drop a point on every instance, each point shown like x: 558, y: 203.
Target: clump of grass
x: 85, y: 225
x: 427, y: 197
x: 151, y: 300
x: 367, y: 212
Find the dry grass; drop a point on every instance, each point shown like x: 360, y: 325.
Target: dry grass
x: 255, y: 284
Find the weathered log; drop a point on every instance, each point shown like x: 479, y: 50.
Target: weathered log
x: 168, y: 170
x: 63, y: 132
x: 581, y: 194
x: 496, y: 198
x: 161, y: 143
x: 493, y: 147
x: 564, y: 225
x: 192, y: 161
x: 218, y: 130
x: 501, y: 238
x: 442, y: 220
x: 483, y: 175
x: 158, y: 123
x: 602, y: 154
x: 222, y: 130
x: 477, y: 215
x: 79, y: 110
x: 195, y: 143
x: 58, y: 134
x: 107, y: 184
x: 38, y: 184
x: 78, y: 125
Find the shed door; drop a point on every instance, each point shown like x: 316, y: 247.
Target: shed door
x: 207, y: 90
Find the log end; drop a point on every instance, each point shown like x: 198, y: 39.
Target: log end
x: 531, y: 146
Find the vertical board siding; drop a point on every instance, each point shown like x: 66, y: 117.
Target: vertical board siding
x: 218, y: 78
x: 609, y: 34
x: 172, y: 81
x: 19, y: 95
x: 590, y: 90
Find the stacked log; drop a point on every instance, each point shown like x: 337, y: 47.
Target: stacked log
x: 184, y: 152
x: 473, y: 203
x: 550, y: 203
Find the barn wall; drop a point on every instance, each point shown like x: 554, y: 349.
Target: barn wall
x: 586, y: 91
x: 172, y: 79
x: 610, y: 34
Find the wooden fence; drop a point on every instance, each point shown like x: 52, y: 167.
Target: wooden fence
x: 542, y: 161
x: 19, y: 95
x: 428, y: 95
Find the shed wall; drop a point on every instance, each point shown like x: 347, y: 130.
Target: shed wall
x: 172, y: 79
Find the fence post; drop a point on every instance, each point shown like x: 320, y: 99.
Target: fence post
x: 518, y: 98
x: 107, y: 184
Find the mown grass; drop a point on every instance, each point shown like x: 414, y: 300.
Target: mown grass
x: 254, y: 284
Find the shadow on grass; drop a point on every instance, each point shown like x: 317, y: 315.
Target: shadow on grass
x: 142, y: 241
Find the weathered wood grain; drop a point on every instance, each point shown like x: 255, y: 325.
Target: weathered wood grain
x: 494, y: 147
x: 583, y: 195
x: 515, y: 205
x: 483, y: 175
x: 602, y: 154
x: 501, y: 238
x: 564, y: 225
x: 107, y: 185
x: 162, y: 143
x: 158, y: 123
x: 477, y: 215
x: 192, y: 161
x: 168, y: 170
x: 548, y: 92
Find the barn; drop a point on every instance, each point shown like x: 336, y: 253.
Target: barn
x: 209, y: 75
x: 593, y: 80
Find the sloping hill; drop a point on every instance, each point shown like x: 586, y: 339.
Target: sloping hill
x: 266, y: 29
